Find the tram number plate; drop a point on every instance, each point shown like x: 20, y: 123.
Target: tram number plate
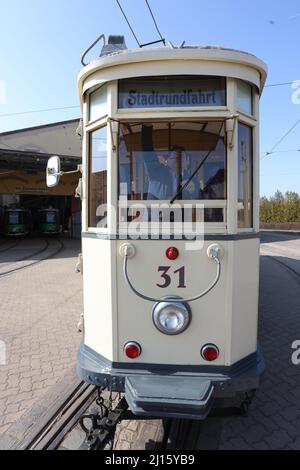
x: 167, y: 279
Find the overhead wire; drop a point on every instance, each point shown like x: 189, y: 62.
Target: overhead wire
x: 38, y: 111
x: 155, y: 23
x: 281, y: 139
x: 266, y: 154
x: 127, y: 21
x: 278, y: 84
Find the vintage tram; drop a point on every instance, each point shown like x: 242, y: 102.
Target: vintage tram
x: 49, y: 221
x: 170, y: 225
x: 16, y: 222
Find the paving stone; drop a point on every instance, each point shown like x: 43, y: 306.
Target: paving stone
x: 278, y: 440
x: 261, y: 445
x: 124, y: 445
x: 239, y: 443
x: 126, y: 435
x: 74, y: 440
x: 290, y: 413
x: 40, y: 334
x: 289, y: 427
x: 295, y: 444
x: 14, y: 408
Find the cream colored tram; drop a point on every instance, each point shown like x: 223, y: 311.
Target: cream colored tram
x: 170, y: 225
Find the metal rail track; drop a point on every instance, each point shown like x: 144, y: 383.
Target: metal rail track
x: 40, y: 251
x: 53, y: 433
x: 13, y: 245
x: 285, y: 265
x: 24, y: 258
x: 66, y: 418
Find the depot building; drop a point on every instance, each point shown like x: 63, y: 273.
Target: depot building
x: 23, y: 159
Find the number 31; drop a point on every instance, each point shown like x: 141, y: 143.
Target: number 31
x: 167, y: 277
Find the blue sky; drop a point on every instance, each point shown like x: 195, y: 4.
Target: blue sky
x: 42, y: 41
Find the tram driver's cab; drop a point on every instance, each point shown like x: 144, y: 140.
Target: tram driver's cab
x: 170, y: 237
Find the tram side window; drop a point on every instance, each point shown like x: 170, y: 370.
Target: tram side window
x: 245, y: 97
x: 98, y: 103
x: 98, y: 178
x: 245, y: 177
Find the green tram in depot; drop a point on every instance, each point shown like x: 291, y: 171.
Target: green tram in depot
x: 16, y: 222
x: 49, y: 221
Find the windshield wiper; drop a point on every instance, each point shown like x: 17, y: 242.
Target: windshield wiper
x: 190, y: 178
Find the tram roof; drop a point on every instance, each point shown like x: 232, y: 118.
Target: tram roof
x: 208, y: 53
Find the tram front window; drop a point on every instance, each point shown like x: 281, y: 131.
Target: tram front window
x: 50, y: 217
x: 15, y: 218
x: 173, y: 161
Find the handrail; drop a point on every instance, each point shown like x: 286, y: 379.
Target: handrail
x: 102, y: 36
x: 215, y: 255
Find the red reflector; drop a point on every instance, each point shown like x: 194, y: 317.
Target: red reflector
x: 172, y: 253
x: 132, y: 350
x: 210, y: 352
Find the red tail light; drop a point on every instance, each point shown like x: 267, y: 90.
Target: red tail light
x: 210, y: 352
x: 132, y: 350
x: 172, y: 253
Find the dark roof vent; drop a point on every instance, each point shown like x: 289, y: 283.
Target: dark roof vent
x: 115, y: 44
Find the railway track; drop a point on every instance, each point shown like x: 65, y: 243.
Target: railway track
x: 12, y: 267
x: 64, y: 420
x: 129, y: 433
x: 285, y: 265
x: 280, y: 250
x: 11, y: 245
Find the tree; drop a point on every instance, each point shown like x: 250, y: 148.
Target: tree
x: 280, y: 208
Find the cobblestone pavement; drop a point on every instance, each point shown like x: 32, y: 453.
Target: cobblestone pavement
x: 39, y: 310
x: 274, y: 416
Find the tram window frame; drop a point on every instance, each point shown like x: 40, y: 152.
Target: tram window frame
x: 220, y: 205
x: 242, y: 224
x: 93, y: 224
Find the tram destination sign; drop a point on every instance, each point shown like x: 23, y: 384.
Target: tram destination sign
x: 172, y: 92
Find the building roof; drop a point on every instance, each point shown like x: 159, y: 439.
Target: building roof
x: 31, y: 147
x: 42, y: 126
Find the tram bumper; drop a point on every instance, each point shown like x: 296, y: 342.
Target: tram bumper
x: 166, y: 391
x: 173, y: 397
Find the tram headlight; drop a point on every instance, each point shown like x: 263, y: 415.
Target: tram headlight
x: 171, y: 318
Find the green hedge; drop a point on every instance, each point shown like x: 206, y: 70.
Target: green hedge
x: 280, y: 208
